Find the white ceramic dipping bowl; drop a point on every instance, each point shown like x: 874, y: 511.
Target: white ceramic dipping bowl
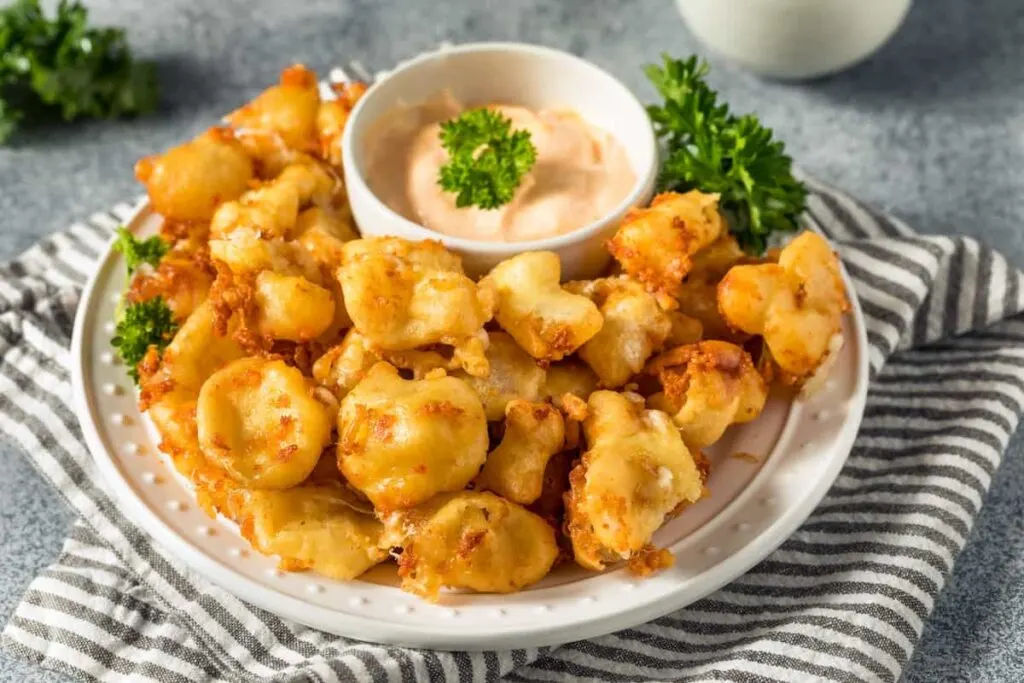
x: 526, y: 75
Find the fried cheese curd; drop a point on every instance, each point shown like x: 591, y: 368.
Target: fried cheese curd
x: 635, y: 473
x: 705, y: 388
x: 470, y: 539
x: 797, y: 305
x: 655, y: 245
x: 332, y: 117
x: 635, y: 326
x: 282, y: 238
x: 549, y: 322
x: 188, y: 182
x: 402, y: 441
x: 568, y: 377
x: 697, y: 297
x: 403, y: 295
x: 309, y: 527
x: 343, y: 366
x: 279, y: 242
x: 258, y: 419
x: 515, y: 469
x: 183, y: 278
x: 288, y: 109
x: 513, y: 374
x: 169, y: 392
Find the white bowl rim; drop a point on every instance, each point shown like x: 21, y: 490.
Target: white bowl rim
x: 644, y: 182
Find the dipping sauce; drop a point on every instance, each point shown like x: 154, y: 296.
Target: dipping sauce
x: 581, y: 173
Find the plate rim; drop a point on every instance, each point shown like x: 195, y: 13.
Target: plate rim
x: 438, y: 635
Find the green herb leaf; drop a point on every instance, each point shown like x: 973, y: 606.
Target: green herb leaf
x: 712, y: 150
x: 487, y: 159
x: 136, y: 251
x: 141, y: 325
x: 60, y: 68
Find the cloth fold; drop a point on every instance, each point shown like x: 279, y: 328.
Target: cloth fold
x: 844, y: 599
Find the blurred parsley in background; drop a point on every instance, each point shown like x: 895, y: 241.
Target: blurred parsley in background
x: 60, y: 68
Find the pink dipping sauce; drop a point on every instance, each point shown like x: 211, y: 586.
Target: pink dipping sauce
x: 581, y: 173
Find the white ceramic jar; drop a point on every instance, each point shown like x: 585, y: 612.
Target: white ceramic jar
x: 794, y: 38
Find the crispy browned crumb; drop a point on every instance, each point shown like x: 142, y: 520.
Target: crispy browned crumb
x: 649, y: 561
x: 574, y: 407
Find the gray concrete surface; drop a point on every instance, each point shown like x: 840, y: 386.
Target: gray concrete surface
x: 932, y: 128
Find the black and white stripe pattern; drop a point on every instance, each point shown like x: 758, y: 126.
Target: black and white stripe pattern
x: 844, y: 599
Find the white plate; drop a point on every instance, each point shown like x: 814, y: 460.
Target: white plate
x: 752, y: 509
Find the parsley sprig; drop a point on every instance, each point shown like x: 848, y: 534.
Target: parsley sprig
x: 136, y: 251
x: 487, y: 159
x: 713, y: 150
x: 60, y: 67
x: 141, y: 324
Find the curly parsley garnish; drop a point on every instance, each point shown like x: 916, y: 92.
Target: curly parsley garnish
x: 136, y: 251
x: 61, y: 68
x: 712, y: 150
x: 487, y: 158
x: 143, y: 324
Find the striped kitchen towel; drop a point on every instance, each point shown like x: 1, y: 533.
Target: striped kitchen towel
x: 844, y: 599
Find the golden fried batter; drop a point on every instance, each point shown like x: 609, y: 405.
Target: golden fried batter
x: 182, y: 278
x: 473, y: 540
x: 246, y: 253
x: 685, y: 330
x: 697, y: 297
x: 402, y: 441
x: 546, y: 320
x: 323, y: 232
x: 258, y: 420
x: 288, y: 109
x: 707, y: 387
x: 574, y: 407
x: 513, y: 374
x: 568, y: 377
x: 309, y: 527
x: 797, y: 305
x: 292, y: 299
x: 656, y: 245
x: 194, y: 354
x: 272, y: 209
x: 169, y: 390
x: 332, y: 117
x: 291, y: 307
x: 403, y: 295
x: 635, y: 472
x: 650, y: 560
x: 635, y: 327
x: 711, y: 263
x: 269, y: 153
x: 550, y: 504
x: 515, y: 469
x: 188, y: 182
x: 698, y: 300
x: 343, y: 366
